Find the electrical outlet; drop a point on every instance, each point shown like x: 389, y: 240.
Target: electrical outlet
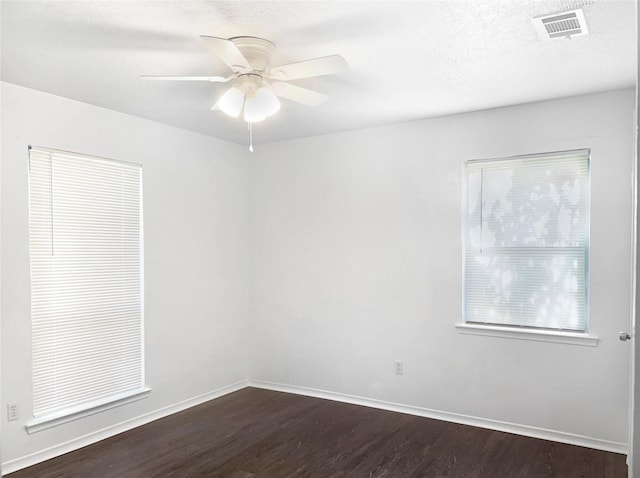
x: 398, y: 367
x: 13, y: 411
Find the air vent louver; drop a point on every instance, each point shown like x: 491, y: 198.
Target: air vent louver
x: 561, y: 25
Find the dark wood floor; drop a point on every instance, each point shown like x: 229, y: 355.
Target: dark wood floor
x: 259, y: 433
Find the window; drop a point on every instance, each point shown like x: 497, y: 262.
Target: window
x: 526, y: 242
x: 85, y: 234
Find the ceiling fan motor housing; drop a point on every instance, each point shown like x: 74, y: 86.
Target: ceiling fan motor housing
x: 257, y: 51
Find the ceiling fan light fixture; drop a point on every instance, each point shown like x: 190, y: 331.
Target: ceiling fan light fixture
x: 253, y: 111
x: 231, y: 102
x: 267, y: 101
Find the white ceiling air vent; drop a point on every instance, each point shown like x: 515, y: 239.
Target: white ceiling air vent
x: 561, y: 25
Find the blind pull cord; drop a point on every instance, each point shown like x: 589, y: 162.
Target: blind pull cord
x: 51, y: 201
x: 481, y: 208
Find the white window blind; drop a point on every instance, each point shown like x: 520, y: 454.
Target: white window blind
x: 526, y: 237
x: 86, y: 280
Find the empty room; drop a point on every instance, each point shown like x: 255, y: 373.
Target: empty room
x: 319, y: 239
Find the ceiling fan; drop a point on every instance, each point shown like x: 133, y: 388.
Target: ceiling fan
x: 255, y: 85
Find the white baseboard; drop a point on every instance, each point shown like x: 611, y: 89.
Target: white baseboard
x: 515, y: 428
x: 57, y: 450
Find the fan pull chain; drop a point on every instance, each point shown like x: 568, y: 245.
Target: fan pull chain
x: 250, y: 137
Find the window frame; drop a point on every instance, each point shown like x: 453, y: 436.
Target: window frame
x: 515, y: 331
x: 115, y: 191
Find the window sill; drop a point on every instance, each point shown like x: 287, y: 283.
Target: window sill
x: 53, y: 420
x: 571, y: 338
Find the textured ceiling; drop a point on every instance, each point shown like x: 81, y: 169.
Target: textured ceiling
x: 409, y: 60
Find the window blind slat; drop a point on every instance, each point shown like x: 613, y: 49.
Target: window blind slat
x: 86, y: 274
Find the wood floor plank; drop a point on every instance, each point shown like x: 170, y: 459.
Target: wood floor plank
x: 256, y: 433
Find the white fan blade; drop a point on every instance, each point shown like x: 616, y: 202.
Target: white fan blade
x: 298, y: 94
x: 212, y: 79
x: 229, y: 53
x: 326, y: 65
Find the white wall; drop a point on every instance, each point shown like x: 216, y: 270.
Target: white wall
x: 356, y: 262
x: 196, y: 264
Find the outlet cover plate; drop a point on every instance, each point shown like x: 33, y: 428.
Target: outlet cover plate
x: 13, y: 411
x: 398, y: 367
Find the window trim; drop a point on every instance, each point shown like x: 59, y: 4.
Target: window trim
x: 53, y: 420
x: 539, y: 335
